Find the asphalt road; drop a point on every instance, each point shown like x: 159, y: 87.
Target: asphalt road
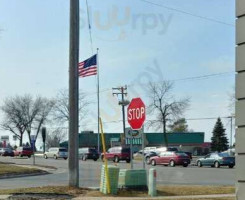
x: 90, y: 174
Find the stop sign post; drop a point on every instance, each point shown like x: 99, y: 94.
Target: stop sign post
x: 136, y: 113
x: 136, y: 119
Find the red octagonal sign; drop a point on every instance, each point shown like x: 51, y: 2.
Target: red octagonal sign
x: 136, y: 113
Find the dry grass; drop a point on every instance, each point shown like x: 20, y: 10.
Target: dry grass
x: 6, y: 169
x: 194, y: 190
x: 162, y: 191
x: 225, y: 198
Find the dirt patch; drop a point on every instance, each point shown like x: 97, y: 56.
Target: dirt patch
x: 36, y: 196
x: 162, y: 191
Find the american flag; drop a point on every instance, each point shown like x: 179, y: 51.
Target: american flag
x: 88, y: 67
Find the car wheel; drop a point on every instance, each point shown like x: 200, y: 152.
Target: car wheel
x: 147, y: 160
x: 128, y: 161
x: 95, y: 159
x: 153, y: 162
x: 45, y: 156
x: 199, y: 164
x: 116, y: 159
x: 102, y: 158
x: 55, y: 157
x: 65, y: 158
x: 84, y: 158
x: 216, y: 164
x: 28, y: 156
x: 185, y: 165
x: 231, y: 166
x: 172, y: 163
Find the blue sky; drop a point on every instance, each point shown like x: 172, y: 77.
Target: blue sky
x: 131, y: 36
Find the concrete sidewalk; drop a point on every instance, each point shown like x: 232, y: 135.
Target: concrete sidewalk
x: 166, y: 197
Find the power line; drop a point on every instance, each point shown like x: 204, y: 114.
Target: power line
x: 188, y: 13
x: 89, y: 27
x: 188, y: 119
x: 204, y: 76
x: 189, y: 78
x: 175, y: 80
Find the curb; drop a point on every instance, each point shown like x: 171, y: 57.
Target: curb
x: 4, y: 196
x: 160, y: 197
x: 23, y: 175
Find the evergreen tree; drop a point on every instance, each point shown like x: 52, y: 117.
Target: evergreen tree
x: 219, y: 139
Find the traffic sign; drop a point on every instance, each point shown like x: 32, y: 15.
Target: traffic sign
x: 133, y: 133
x: 136, y: 113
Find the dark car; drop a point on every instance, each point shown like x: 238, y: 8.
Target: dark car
x: 117, y: 153
x: 217, y: 160
x: 189, y: 154
x: 88, y: 153
x: 6, y: 152
x: 171, y: 158
x: 149, y: 155
x: 23, y: 151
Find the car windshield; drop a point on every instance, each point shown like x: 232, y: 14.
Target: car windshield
x: 224, y: 155
x: 63, y: 150
x: 125, y: 150
x: 93, y: 150
x: 180, y: 154
x: 27, y: 149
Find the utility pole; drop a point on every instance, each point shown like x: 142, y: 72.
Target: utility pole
x: 231, y: 131
x: 123, y: 92
x: 73, y: 164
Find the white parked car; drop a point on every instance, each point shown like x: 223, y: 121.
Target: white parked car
x: 149, y: 149
x: 56, y: 152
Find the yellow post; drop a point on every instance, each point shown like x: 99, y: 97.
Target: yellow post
x: 105, y: 159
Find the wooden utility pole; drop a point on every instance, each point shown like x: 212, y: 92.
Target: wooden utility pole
x: 73, y: 164
x: 123, y: 92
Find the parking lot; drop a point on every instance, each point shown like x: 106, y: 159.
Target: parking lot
x: 90, y: 173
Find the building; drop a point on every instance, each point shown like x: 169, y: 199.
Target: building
x: 192, y: 142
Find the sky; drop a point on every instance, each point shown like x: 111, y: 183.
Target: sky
x: 139, y: 41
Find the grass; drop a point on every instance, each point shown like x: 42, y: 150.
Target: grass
x: 6, y: 169
x: 183, y: 190
x: 225, y: 198
x: 162, y: 191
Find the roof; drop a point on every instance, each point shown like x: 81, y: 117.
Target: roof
x: 154, y: 139
x: 176, y: 138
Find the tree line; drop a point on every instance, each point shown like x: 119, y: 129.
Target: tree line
x: 27, y: 114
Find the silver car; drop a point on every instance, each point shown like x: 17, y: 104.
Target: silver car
x: 56, y: 152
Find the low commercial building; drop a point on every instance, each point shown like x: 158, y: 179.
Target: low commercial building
x: 192, y: 142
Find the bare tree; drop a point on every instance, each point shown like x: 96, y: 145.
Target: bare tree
x: 180, y: 126
x: 61, y: 107
x: 55, y: 137
x: 232, y: 101
x: 45, y: 108
x: 22, y: 113
x: 164, y: 106
x: 19, y: 113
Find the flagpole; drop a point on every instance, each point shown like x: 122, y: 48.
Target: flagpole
x: 98, y: 98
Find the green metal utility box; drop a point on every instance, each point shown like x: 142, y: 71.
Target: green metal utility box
x: 133, y: 178
x: 113, y: 172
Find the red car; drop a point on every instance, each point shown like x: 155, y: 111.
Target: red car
x: 171, y: 158
x: 23, y: 151
x: 117, y: 153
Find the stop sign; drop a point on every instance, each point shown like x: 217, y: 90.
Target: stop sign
x: 136, y: 113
